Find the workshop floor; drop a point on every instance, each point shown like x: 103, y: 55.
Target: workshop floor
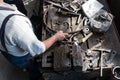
x: 8, y: 72
x: 115, y: 10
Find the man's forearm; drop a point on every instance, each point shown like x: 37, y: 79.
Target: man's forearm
x: 49, y: 42
x: 59, y: 36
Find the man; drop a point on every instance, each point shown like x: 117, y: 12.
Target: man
x: 18, y: 41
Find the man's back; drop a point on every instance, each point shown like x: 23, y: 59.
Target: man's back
x: 19, y: 36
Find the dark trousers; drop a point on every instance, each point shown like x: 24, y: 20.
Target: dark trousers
x: 19, y: 4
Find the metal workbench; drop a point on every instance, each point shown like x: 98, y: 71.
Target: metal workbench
x: 110, y: 41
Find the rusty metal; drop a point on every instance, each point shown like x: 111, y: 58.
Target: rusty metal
x: 72, y: 52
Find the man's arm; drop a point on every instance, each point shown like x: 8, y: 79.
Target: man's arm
x: 57, y: 37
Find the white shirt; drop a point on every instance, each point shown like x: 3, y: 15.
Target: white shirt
x: 19, y: 36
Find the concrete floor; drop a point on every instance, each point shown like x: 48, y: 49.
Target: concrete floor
x: 8, y: 72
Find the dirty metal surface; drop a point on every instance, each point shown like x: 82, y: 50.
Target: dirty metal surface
x: 89, y: 57
x: 62, y: 62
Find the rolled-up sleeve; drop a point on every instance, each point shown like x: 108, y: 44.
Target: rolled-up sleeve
x: 23, y: 36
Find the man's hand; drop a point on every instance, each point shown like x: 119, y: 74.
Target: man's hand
x: 60, y: 35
